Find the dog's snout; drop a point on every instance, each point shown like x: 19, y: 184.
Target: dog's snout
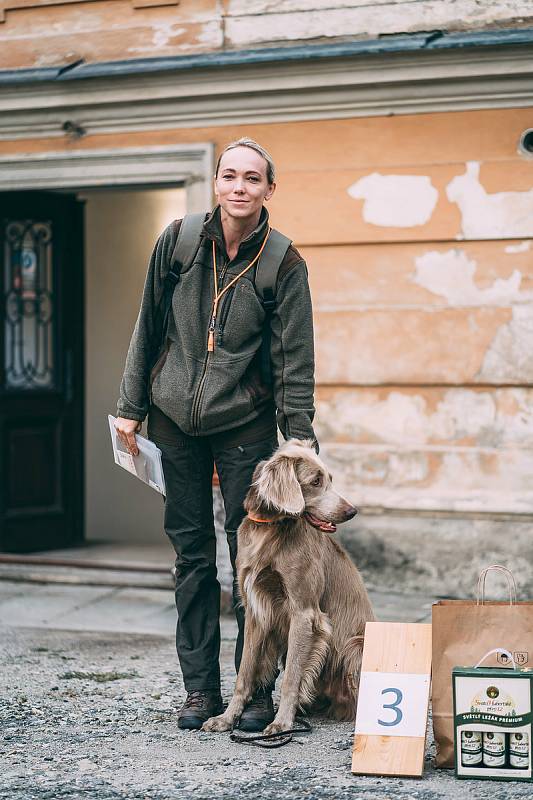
x: 351, y: 511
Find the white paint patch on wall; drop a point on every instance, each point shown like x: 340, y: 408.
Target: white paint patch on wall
x: 451, y: 275
x: 288, y: 20
x: 395, y: 201
x: 523, y: 247
x: 502, y: 215
x: 211, y: 34
x: 237, y: 8
x: 458, y: 481
x: 463, y: 417
x: 509, y: 358
x: 164, y: 32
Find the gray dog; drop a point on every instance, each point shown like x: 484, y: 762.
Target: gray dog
x: 305, y: 601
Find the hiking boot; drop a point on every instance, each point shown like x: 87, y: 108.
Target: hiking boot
x: 258, y: 713
x: 198, y: 707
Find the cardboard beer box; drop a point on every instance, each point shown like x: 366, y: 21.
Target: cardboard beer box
x: 492, y: 710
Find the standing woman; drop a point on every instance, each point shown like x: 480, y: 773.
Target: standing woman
x: 209, y: 403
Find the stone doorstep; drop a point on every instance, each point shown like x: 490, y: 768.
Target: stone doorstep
x: 81, y: 576
x: 105, y: 578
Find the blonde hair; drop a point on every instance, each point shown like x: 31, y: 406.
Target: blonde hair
x: 253, y: 145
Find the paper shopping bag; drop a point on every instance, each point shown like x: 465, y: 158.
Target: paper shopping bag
x: 462, y: 632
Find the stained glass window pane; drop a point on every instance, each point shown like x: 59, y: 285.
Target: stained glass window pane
x: 29, y: 305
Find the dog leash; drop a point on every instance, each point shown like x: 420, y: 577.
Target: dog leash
x: 272, y: 740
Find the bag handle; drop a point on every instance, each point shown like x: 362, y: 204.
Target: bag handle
x: 503, y: 571
x: 497, y: 650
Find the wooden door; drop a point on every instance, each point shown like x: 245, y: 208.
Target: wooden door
x: 41, y: 371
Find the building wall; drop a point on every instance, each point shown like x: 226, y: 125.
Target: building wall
x: 417, y: 232
x: 120, y: 230
x: 44, y: 33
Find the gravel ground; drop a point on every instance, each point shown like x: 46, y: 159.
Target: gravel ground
x: 93, y: 715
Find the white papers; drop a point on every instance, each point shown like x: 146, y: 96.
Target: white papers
x: 146, y: 466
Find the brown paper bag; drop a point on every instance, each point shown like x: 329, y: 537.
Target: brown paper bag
x: 463, y: 631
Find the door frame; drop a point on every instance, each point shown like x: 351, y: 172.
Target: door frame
x: 190, y: 165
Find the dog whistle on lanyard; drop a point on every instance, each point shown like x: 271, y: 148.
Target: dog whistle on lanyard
x: 211, y: 335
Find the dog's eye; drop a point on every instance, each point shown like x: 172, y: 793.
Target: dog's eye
x: 316, y: 481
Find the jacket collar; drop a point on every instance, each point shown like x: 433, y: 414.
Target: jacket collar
x: 213, y: 230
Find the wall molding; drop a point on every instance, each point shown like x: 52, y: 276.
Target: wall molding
x: 188, y: 165
x: 353, y: 86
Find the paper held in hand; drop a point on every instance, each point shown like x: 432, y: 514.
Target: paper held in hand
x: 146, y: 466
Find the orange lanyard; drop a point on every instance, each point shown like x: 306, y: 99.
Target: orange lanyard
x: 218, y: 295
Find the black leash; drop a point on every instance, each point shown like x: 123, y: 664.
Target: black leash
x: 272, y: 740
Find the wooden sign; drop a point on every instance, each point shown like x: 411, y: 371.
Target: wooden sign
x: 392, y: 707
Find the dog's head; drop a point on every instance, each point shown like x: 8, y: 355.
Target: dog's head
x: 295, y: 482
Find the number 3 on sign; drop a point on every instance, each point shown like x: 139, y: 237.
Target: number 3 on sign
x: 394, y: 707
x: 392, y: 704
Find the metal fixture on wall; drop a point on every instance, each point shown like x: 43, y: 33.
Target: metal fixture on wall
x: 525, y: 146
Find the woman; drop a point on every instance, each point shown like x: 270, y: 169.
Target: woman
x: 209, y: 403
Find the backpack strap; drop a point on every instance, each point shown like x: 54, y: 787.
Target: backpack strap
x: 266, y: 278
x: 185, y: 249
x: 187, y: 244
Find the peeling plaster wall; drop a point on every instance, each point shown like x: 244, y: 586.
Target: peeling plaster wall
x: 431, y: 447
x: 54, y: 32
x: 42, y: 34
x: 414, y: 319
x: 424, y: 327
x: 292, y: 21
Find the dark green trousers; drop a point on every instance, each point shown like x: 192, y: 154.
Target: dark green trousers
x: 189, y: 524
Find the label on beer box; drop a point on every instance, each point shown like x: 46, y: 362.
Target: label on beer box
x: 492, y: 722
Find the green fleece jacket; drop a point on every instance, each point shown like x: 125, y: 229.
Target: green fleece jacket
x: 208, y: 392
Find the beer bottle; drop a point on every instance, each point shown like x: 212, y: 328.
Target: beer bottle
x: 471, y: 754
x: 519, y: 750
x: 494, y: 749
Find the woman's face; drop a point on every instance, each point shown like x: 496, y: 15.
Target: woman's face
x: 241, y: 186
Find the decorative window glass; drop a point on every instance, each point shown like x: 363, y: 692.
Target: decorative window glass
x: 29, y: 305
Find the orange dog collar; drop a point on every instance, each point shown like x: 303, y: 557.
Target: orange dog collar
x: 257, y: 519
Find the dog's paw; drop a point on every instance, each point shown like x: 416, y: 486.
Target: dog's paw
x: 276, y: 727
x: 217, y: 724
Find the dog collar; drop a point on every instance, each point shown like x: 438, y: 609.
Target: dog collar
x: 257, y: 519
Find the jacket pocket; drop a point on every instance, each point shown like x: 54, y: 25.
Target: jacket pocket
x: 226, y: 398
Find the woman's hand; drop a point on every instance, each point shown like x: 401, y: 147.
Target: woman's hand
x: 126, y: 430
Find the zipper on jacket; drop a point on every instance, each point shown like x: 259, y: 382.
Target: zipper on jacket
x: 198, y: 397
x: 197, y: 400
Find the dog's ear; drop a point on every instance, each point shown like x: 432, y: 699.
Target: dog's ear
x: 278, y: 486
